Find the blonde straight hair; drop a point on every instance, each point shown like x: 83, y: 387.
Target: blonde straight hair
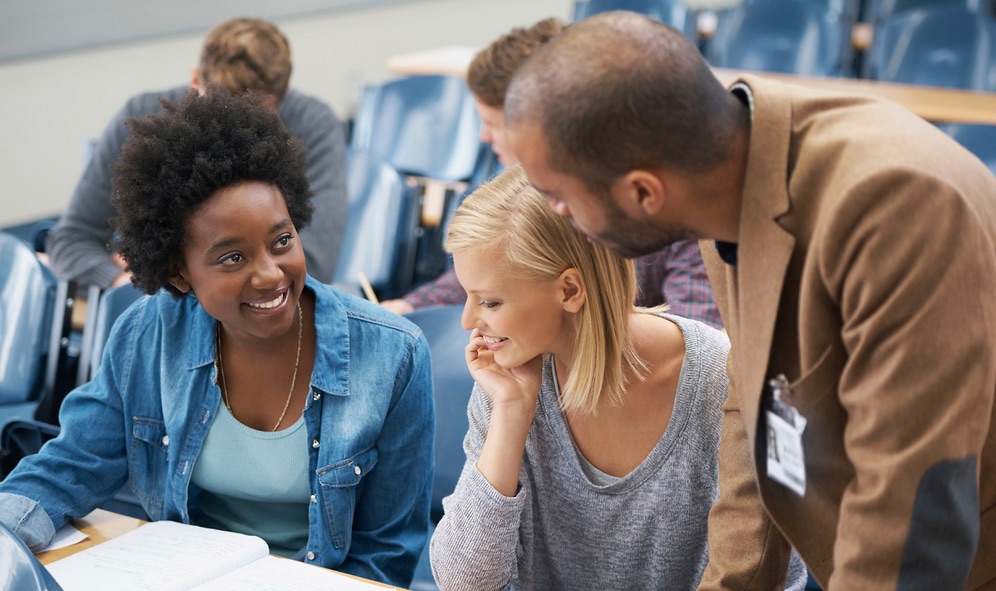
x: 509, y: 217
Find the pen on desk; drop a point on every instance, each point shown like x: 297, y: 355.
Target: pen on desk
x: 367, y: 288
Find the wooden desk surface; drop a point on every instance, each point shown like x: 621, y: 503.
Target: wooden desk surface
x: 940, y: 105
x: 101, y: 525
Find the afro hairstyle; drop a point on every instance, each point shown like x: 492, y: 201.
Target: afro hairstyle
x: 174, y: 161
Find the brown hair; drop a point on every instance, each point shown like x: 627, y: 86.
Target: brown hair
x: 492, y: 69
x: 247, y: 54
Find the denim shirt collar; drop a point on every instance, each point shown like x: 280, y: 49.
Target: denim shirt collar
x: 331, y: 375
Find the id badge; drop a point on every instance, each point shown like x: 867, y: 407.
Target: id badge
x: 786, y: 458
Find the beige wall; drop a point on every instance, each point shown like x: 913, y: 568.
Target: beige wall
x: 51, y: 106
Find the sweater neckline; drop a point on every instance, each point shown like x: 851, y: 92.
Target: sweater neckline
x: 549, y: 402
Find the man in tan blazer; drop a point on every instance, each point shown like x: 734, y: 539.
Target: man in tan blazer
x: 852, y: 250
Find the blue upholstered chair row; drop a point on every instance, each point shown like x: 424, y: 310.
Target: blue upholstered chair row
x: 427, y: 128
x: 931, y: 42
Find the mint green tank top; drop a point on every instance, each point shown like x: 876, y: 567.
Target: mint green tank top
x: 255, y: 482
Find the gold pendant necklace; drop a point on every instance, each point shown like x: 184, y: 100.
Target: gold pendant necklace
x: 297, y: 362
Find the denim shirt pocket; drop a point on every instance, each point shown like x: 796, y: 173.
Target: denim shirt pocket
x: 148, y: 459
x: 339, y: 484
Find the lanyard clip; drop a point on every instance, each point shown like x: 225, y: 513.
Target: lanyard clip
x: 780, y: 387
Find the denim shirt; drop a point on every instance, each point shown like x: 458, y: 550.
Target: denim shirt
x: 144, y: 417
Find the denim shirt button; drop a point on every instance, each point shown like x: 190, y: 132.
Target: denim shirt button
x: 311, y: 555
x: 315, y: 394
x: 356, y: 470
x: 314, y: 499
x: 165, y: 439
x: 314, y: 443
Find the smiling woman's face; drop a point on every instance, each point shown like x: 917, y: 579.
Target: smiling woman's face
x: 243, y: 260
x: 519, y: 318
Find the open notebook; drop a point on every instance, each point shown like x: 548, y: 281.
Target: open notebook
x: 170, y: 556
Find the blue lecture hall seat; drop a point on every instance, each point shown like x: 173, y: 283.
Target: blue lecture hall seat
x: 671, y: 12
x: 453, y: 385
x: 381, y: 230
x: 110, y: 305
x: 804, y: 37
x: 422, y: 125
x: 25, y: 437
x: 946, y: 45
x: 878, y: 10
x: 428, y: 129
x: 27, y: 301
x: 19, y: 569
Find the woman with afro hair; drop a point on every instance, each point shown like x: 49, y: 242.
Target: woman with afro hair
x: 241, y: 394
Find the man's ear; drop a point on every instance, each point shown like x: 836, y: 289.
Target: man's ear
x: 572, y: 290
x: 178, y: 280
x: 639, y: 192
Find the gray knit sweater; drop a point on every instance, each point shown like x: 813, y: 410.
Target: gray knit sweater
x: 561, y: 531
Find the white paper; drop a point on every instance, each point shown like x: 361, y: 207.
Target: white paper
x: 272, y: 573
x: 162, y: 555
x: 169, y: 556
x: 66, y: 536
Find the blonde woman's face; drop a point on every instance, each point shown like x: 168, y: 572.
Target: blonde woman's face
x: 518, y: 318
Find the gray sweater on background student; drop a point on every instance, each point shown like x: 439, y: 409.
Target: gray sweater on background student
x: 571, y: 527
x: 77, y: 245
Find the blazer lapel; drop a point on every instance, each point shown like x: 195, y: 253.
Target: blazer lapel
x: 764, y: 248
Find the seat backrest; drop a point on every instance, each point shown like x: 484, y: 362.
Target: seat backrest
x: 422, y: 125
x: 381, y: 230
x: 947, y: 46
x: 671, y: 12
x: 112, y: 303
x: 878, y: 10
x: 802, y: 37
x: 27, y: 302
x: 453, y: 385
x: 22, y: 571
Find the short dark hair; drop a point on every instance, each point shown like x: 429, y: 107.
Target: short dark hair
x: 175, y: 161
x: 491, y: 70
x: 619, y: 91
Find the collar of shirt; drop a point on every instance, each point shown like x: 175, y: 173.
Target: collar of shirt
x: 728, y: 250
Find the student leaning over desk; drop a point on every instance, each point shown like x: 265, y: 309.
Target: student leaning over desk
x: 243, y: 394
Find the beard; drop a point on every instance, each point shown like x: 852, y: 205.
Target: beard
x: 634, y: 238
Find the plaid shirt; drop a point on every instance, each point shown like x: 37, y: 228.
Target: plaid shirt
x: 674, y: 275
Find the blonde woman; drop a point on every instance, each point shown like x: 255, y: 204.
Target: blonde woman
x: 594, y: 425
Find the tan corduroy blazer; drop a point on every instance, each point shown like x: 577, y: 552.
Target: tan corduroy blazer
x: 866, y: 274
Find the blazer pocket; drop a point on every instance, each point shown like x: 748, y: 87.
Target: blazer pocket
x: 819, y: 380
x: 147, y: 462
x: 339, y: 482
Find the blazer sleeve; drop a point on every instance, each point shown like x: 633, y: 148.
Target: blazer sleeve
x: 911, y: 262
